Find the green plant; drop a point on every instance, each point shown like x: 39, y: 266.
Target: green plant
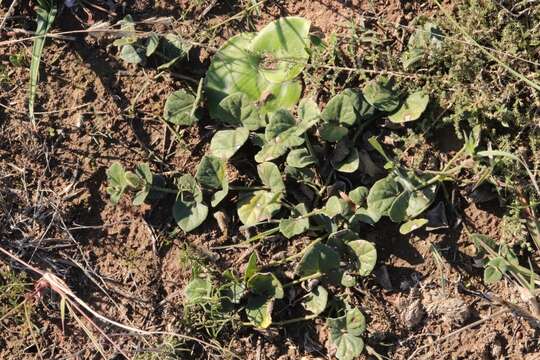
x: 46, y: 13
x: 136, y: 47
x: 305, y: 160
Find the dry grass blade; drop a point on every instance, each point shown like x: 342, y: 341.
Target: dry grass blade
x: 46, y: 12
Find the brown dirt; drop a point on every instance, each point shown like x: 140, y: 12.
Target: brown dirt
x: 56, y: 213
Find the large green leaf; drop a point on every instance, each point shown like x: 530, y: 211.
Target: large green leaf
x: 412, y: 108
x: 345, y: 334
x: 211, y: 172
x: 258, y: 206
x: 226, y: 143
x: 282, y: 48
x: 179, y: 108
x: 271, y: 177
x: 189, y: 215
x: 262, y: 66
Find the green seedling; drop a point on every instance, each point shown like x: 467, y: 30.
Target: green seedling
x: 136, y: 48
x: 46, y: 13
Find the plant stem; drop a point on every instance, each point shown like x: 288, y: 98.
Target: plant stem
x: 164, y: 189
x: 248, y: 188
x: 295, y: 320
x: 302, y: 279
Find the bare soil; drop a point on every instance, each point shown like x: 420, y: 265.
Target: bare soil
x: 123, y: 260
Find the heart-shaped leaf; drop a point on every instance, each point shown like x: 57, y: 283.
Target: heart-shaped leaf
x: 266, y: 285
x: 179, y: 108
x: 316, y: 301
x: 359, y: 195
x: 281, y: 134
x: 346, y: 108
x: 219, y: 195
x: 332, y: 132
x: 350, y: 163
x: 152, y: 44
x: 211, y: 172
x: 131, y: 54
x: 366, y: 255
x: 198, y: 290
x: 260, y: 65
x: 259, y: 311
x: 271, y: 177
x: 382, y: 194
x: 412, y: 108
x: 345, y: 334
x: 226, y: 143
x: 258, y: 206
x: 188, y: 186
x: 319, y: 258
x: 282, y: 48
x: 308, y: 110
x: 381, y: 96
x: 300, y: 158
x: 189, y: 215
x: 239, y: 109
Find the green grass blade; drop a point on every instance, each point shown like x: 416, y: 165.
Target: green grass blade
x: 46, y: 12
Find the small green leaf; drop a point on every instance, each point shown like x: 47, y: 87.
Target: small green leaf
x: 281, y: 134
x: 412, y: 225
x: 259, y: 206
x: 179, y: 108
x: 259, y: 311
x: 366, y: 216
x: 316, y: 301
x: 359, y: 195
x: 226, y: 143
x: 211, y: 172
x: 219, y: 195
x: 381, y: 96
x: 495, y: 268
x: 131, y: 54
x: 293, y: 226
x: 152, y: 44
x: 189, y: 215
x: 172, y: 48
x: 412, y: 108
x: 308, y: 110
x: 382, y: 194
x: 350, y: 164
x: 198, y: 290
x: 266, y: 285
x: 299, y: 158
x: 333, y: 207
x: 332, y: 132
x: 366, y: 254
x: 319, y: 258
x: 271, y: 177
x: 251, y: 268
x: 346, y: 108
x: 116, y: 181
x: 345, y: 334
x: 239, y: 110
x: 187, y: 184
